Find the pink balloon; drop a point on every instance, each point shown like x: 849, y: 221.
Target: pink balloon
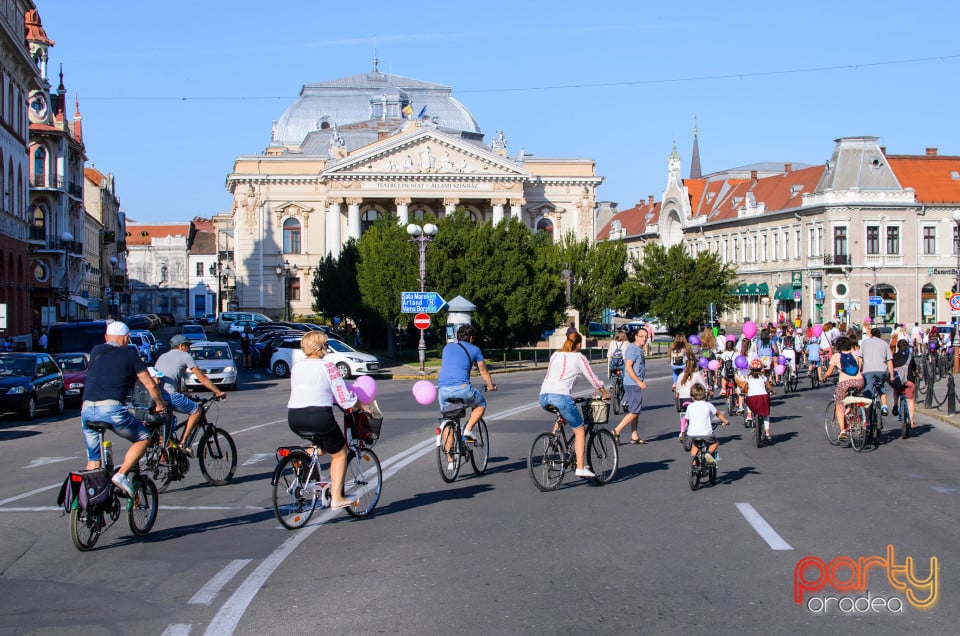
x: 424, y: 392
x: 780, y: 369
x: 714, y: 365
x: 868, y: 320
x: 817, y: 331
x: 749, y: 329
x: 365, y: 388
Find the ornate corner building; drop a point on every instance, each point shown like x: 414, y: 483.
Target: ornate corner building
x: 866, y: 233
x: 352, y: 150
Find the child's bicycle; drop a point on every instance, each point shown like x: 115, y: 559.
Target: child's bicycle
x: 701, y: 468
x: 298, y: 484
x: 552, y: 454
x: 99, y: 505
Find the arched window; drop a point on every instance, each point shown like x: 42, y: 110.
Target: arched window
x: 928, y: 303
x: 368, y: 219
x: 40, y: 166
x: 291, y: 236
x: 545, y: 225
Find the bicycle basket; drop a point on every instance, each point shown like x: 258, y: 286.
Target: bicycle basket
x: 596, y: 411
x: 364, y: 426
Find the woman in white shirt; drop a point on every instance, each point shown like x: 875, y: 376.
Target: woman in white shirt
x: 314, y: 386
x: 566, y: 366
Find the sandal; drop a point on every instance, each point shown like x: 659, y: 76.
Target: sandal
x: 616, y: 437
x: 639, y: 440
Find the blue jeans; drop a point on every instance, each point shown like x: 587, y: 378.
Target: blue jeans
x: 121, y: 421
x: 180, y: 402
x: 565, y: 404
x: 869, y: 378
x: 467, y: 392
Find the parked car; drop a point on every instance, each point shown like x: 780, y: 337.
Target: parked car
x: 194, y: 333
x: 596, y: 330
x: 227, y: 317
x: 137, y: 321
x: 216, y: 361
x: 155, y: 321
x: 152, y: 339
x: 74, y: 367
x: 262, y: 350
x: 167, y: 320
x: 143, y: 347
x: 30, y: 381
x: 659, y: 329
x: 83, y: 335
x: 237, y: 326
x: 207, y: 320
x: 349, y: 361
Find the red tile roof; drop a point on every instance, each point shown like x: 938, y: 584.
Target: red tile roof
x: 138, y: 234
x: 931, y: 177
x: 94, y: 176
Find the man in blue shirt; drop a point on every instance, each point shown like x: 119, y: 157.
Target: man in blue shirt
x: 453, y: 381
x: 635, y: 365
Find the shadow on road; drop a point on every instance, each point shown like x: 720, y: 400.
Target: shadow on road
x: 177, y: 532
x: 642, y: 468
x: 736, y: 475
x: 428, y: 498
x: 9, y: 435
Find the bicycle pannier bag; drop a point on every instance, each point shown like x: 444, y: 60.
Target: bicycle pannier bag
x: 88, y: 490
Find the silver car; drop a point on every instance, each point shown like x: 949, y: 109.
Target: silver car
x: 215, y: 359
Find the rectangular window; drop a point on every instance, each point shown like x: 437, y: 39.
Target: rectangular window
x: 294, y: 289
x: 873, y: 239
x: 199, y: 268
x: 929, y: 239
x: 956, y: 239
x: 776, y: 246
x: 799, y: 244
x: 893, y: 241
x: 840, y: 245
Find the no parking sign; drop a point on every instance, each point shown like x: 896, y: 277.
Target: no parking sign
x: 955, y: 302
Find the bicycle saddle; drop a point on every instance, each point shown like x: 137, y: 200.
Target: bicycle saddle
x: 98, y: 425
x: 456, y: 409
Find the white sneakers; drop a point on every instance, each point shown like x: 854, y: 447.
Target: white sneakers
x: 120, y: 481
x: 585, y: 472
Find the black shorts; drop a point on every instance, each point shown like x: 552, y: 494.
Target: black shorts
x: 317, y: 424
x: 709, y: 440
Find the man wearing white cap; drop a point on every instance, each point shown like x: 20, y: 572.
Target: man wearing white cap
x: 114, y: 368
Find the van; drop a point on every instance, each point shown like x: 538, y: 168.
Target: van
x: 76, y: 337
x: 227, y: 317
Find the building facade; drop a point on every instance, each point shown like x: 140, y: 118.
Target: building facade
x: 157, y: 268
x: 866, y: 234
x: 202, y: 274
x: 352, y: 150
x: 107, y: 284
x: 19, y: 76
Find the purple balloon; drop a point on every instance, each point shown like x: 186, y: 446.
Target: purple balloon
x: 933, y: 346
x: 780, y: 369
x: 694, y: 340
x: 741, y: 362
x: 714, y: 365
x: 781, y: 360
x: 703, y: 362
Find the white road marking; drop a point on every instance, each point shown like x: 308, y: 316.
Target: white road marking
x: 764, y: 529
x: 41, y: 461
x: 256, y: 458
x: 180, y: 629
x: 209, y: 591
x: 29, y: 494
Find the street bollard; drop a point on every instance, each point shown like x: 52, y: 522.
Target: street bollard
x: 951, y: 396
x: 928, y: 382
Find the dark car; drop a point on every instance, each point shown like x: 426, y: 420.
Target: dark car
x: 137, y: 321
x: 82, y: 335
x: 29, y: 381
x: 167, y: 320
x: 74, y: 367
x: 262, y: 349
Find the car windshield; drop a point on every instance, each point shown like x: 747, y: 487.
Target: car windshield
x: 17, y: 366
x: 336, y: 345
x: 193, y: 330
x: 210, y: 352
x: 72, y: 362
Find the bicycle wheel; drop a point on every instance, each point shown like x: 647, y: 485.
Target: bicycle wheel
x: 448, y: 452
x: 546, y: 461
x: 363, y: 481
x: 904, y: 419
x: 676, y: 403
x: 157, y: 461
x: 142, y: 509
x: 794, y: 381
x: 712, y: 474
x: 732, y: 403
x: 694, y: 478
x: 830, y: 424
x: 603, y: 456
x: 758, y: 429
x: 480, y: 449
x: 293, y: 504
x: 786, y: 380
x: 873, y: 432
x: 855, y: 417
x: 85, y: 529
x: 218, y: 456
x: 618, y: 396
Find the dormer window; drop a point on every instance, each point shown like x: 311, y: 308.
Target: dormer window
x: 794, y: 189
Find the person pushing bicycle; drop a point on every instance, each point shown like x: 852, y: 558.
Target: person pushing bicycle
x: 453, y: 381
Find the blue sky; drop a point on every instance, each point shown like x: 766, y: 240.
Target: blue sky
x: 171, y: 93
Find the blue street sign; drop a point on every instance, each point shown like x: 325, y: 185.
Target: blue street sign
x: 876, y: 300
x: 819, y: 294
x: 421, y: 302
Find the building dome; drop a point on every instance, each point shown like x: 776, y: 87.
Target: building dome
x: 369, y: 97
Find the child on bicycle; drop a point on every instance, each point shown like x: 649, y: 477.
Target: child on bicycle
x: 813, y: 356
x: 757, y: 388
x: 691, y: 376
x: 728, y: 368
x: 699, y: 416
x: 851, y: 376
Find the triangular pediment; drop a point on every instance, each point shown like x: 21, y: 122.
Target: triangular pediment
x: 425, y: 153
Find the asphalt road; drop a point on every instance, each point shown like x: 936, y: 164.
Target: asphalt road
x: 491, y: 554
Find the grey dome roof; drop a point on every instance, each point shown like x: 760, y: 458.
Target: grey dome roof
x: 350, y: 100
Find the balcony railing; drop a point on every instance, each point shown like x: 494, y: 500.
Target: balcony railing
x: 836, y: 259
x: 37, y: 233
x: 47, y: 181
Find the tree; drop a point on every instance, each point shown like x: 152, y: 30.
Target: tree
x: 678, y: 287
x: 387, y: 266
x: 334, y: 286
x: 598, y: 272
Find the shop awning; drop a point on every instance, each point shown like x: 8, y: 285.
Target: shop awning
x: 763, y: 289
x: 752, y: 290
x: 80, y: 300
x: 739, y: 290
x: 784, y: 292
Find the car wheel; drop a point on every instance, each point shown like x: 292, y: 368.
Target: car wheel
x: 30, y: 410
x: 281, y: 369
x: 344, y: 370
x: 60, y: 404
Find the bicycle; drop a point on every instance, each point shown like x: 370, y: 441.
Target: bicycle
x: 854, y: 415
x: 701, y: 468
x: 86, y: 526
x: 874, y: 420
x: 552, y: 454
x: 216, y: 452
x: 791, y: 378
x: 904, y: 415
x: 298, y: 485
x: 730, y: 395
x: 453, y: 448
x: 814, y: 372
x: 616, y: 391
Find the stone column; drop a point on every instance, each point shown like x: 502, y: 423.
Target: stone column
x: 450, y: 205
x: 333, y: 227
x: 353, y: 218
x: 403, y: 210
x: 516, y: 206
x: 498, y: 209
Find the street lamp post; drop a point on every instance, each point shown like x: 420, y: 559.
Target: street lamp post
x: 66, y: 237
x: 286, y: 271
x: 421, y: 236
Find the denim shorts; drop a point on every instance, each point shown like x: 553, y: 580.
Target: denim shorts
x: 634, y: 397
x: 869, y: 377
x: 121, y: 421
x: 565, y: 404
x: 467, y: 392
x: 180, y: 402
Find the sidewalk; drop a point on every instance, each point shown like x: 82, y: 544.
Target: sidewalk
x: 941, y: 414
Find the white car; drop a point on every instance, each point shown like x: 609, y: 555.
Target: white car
x: 237, y: 326
x: 194, y: 333
x: 216, y: 361
x: 349, y: 361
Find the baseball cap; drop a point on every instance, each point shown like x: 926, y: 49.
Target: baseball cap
x: 178, y: 340
x: 117, y: 328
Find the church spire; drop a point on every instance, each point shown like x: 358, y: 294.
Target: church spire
x: 77, y: 127
x: 695, y: 172
x: 375, y: 61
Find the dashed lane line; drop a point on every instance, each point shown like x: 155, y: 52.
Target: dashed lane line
x: 761, y: 527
